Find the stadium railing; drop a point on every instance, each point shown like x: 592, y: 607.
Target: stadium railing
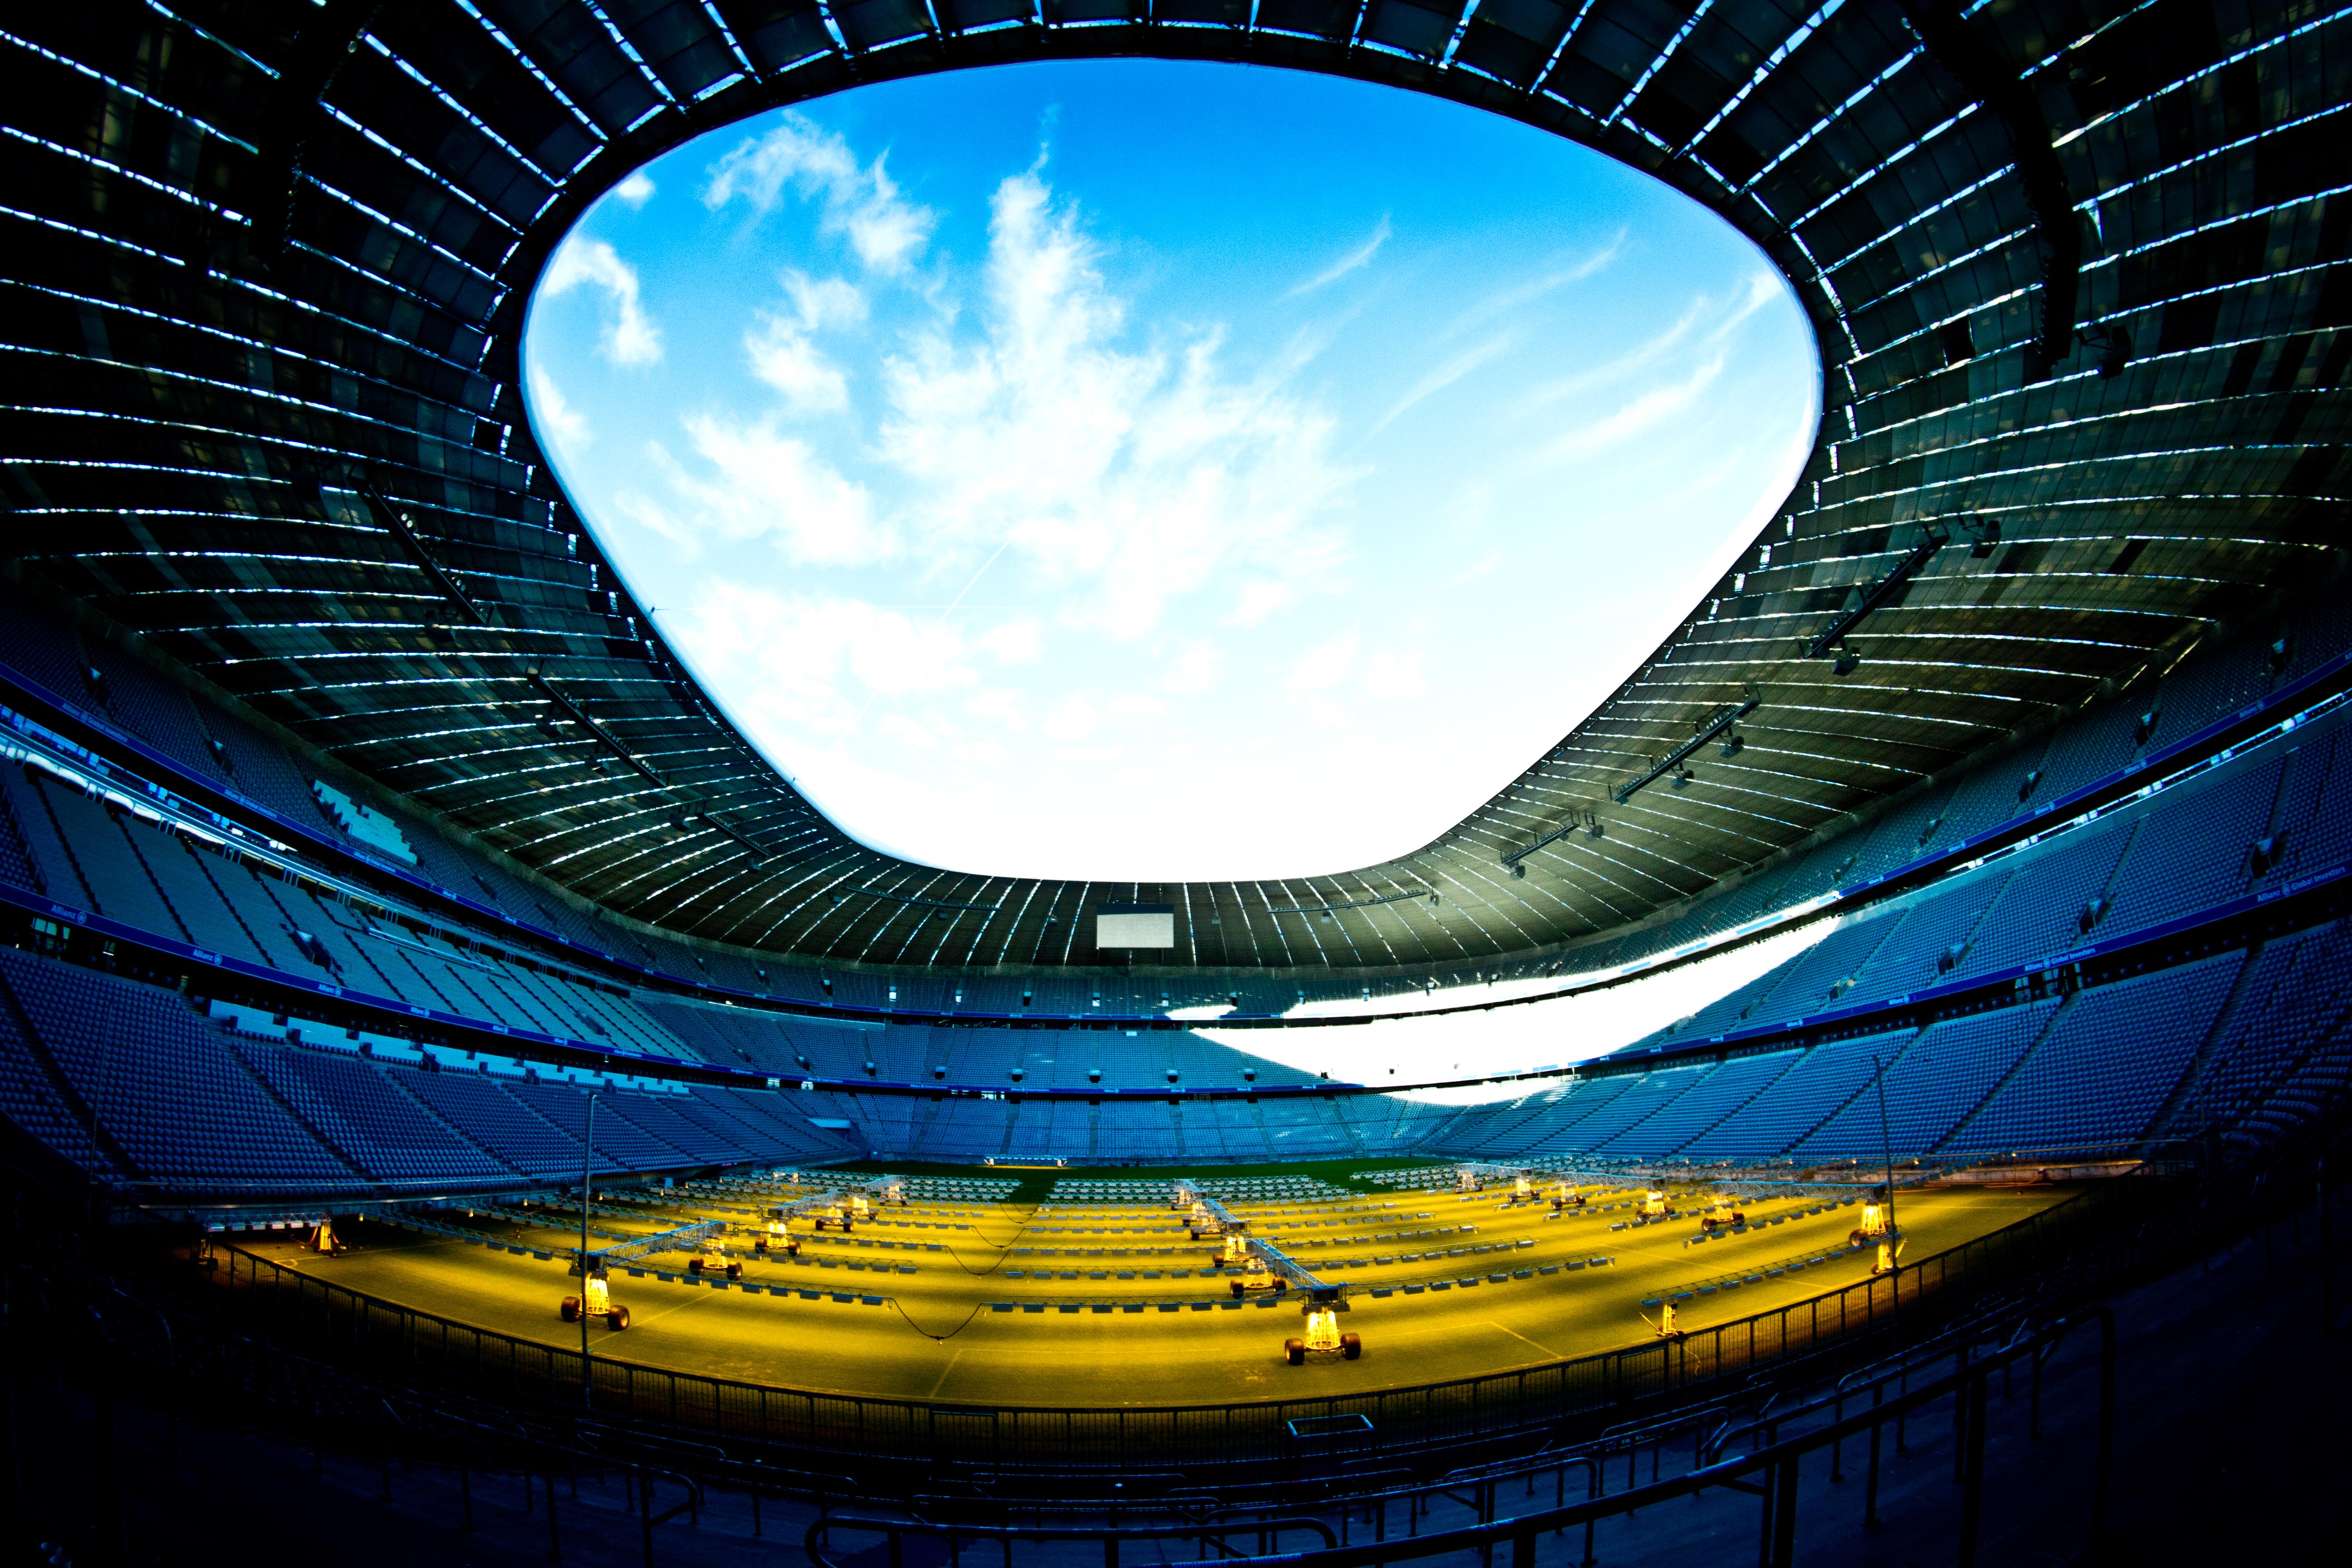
x: 290, y: 1304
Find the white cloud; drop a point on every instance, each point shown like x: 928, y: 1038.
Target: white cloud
x: 1485, y: 565
x: 781, y: 351
x: 1516, y: 299
x: 1444, y: 375
x: 1194, y: 670
x: 982, y: 527
x: 752, y: 481
x: 1000, y: 705
x: 636, y: 190
x: 1641, y: 412
x: 859, y: 203
x: 1013, y: 642
x: 555, y: 416
x: 1354, y: 260
x: 1707, y: 320
x: 1125, y: 475
x: 629, y: 336
x: 806, y: 666
x: 1393, y: 672
x: 1258, y: 599
x: 1324, y: 666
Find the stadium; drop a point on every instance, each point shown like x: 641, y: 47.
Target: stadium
x: 460, y: 1092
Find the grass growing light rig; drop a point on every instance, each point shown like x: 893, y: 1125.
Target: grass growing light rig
x: 1878, y: 1226
x: 1324, y: 1303
x: 713, y: 1259
x: 844, y: 1207
x: 595, y: 1300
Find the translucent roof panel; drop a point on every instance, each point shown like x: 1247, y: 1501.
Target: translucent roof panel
x: 2086, y: 389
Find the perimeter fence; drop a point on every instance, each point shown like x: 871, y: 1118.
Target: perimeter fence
x: 410, y: 1346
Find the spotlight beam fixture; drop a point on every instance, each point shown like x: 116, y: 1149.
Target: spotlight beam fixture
x: 1358, y: 904
x: 763, y: 855
x: 918, y: 903
x: 1936, y: 536
x: 1584, y: 822
x: 579, y: 716
x: 573, y: 711
x: 394, y: 521
x: 1723, y: 719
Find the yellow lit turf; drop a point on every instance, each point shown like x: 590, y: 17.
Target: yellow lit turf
x: 1085, y: 1358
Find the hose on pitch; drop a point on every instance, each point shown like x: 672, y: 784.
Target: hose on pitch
x: 938, y: 1339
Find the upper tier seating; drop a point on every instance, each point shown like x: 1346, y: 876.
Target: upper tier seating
x: 131, y: 1084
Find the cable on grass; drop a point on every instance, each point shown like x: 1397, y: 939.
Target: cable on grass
x: 938, y: 1339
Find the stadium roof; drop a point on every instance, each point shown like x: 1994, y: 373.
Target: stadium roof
x: 2077, y: 272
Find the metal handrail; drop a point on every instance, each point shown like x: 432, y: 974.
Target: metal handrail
x: 1776, y: 1462
x: 897, y: 1529
x: 1612, y: 1372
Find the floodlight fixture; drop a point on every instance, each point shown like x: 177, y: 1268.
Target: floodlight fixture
x: 2113, y: 341
x: 1860, y: 601
x: 1848, y: 661
x: 1706, y: 729
x: 1984, y: 531
x: 1733, y: 744
x: 1585, y: 820
x: 1326, y: 912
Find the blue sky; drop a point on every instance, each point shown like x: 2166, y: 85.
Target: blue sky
x: 1148, y: 470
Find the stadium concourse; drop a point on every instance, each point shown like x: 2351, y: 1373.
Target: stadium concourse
x: 474, y: 1137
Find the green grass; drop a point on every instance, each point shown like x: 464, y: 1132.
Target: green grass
x: 1036, y: 1184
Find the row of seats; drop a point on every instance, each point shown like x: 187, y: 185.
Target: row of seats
x: 2090, y: 1073
x: 2232, y: 1045
x: 134, y: 1084
x: 2257, y: 821
x: 42, y: 846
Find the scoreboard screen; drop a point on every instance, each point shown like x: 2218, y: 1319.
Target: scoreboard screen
x: 1135, y: 925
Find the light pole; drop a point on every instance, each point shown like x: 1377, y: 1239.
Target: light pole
x: 587, y: 1161
x: 1886, y: 1145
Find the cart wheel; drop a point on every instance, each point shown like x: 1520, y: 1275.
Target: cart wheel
x: 1294, y: 1352
x: 572, y: 1308
x: 1351, y: 1345
x: 1238, y: 1286
x: 618, y: 1318
x: 695, y: 1264
x: 846, y: 1228
x: 734, y: 1271
x: 1196, y: 1236
x: 1280, y: 1285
